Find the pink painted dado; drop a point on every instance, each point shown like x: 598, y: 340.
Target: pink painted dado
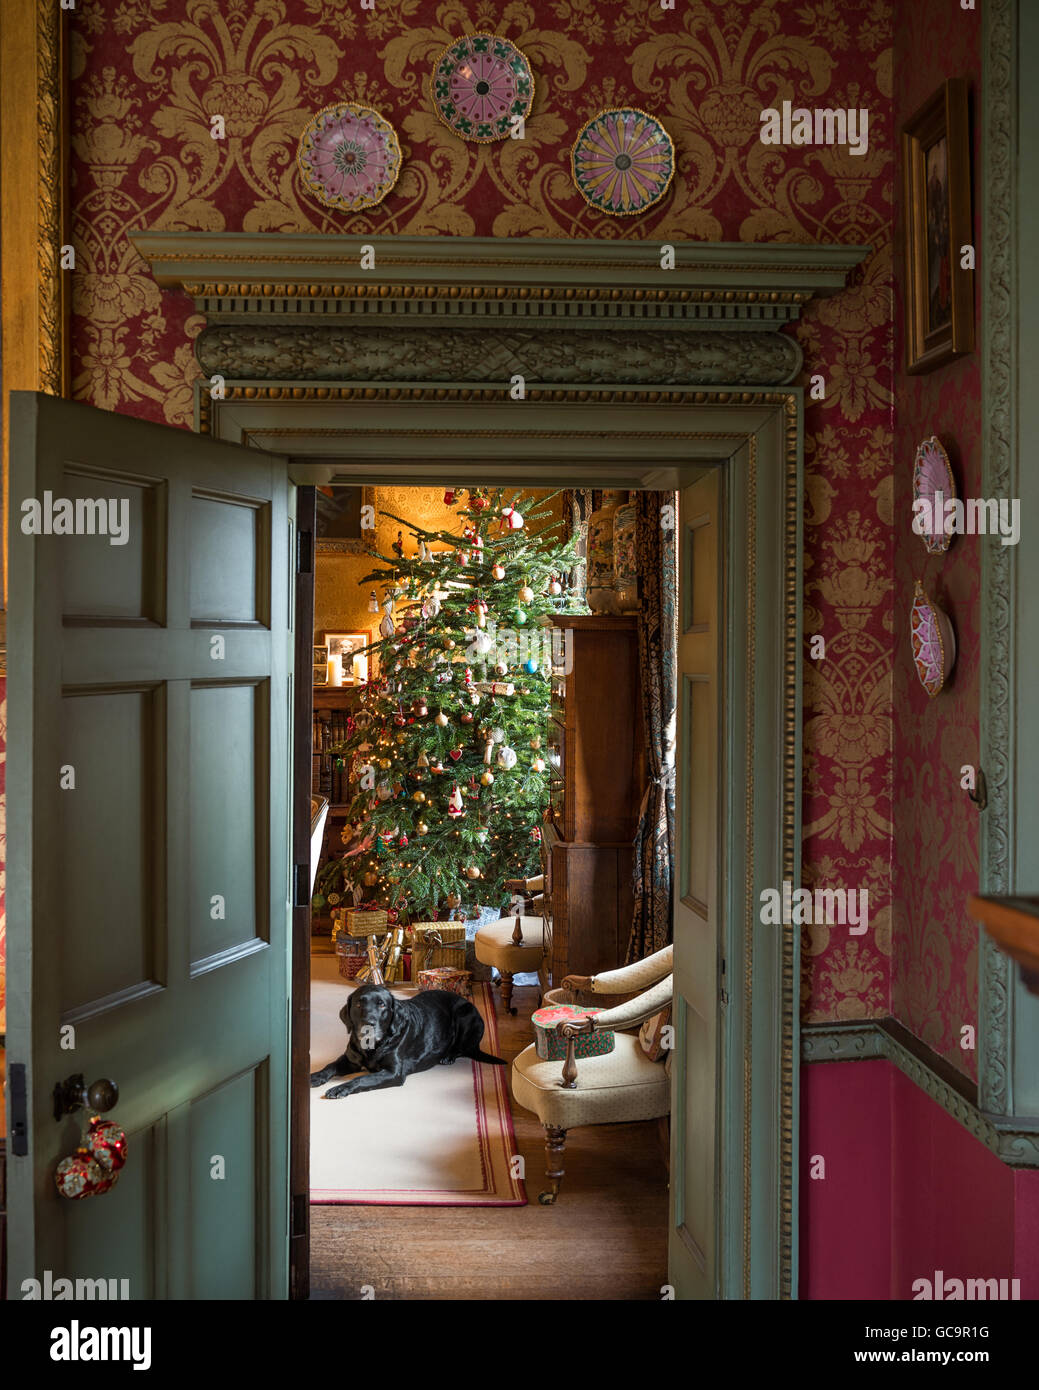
x: 906, y: 1191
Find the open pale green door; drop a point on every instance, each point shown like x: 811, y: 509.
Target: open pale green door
x: 699, y: 984
x: 148, y: 884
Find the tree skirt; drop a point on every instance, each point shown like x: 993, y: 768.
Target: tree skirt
x: 444, y: 1138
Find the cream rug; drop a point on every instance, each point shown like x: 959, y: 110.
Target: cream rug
x: 444, y: 1138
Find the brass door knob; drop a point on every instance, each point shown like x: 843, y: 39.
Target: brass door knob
x: 73, y: 1094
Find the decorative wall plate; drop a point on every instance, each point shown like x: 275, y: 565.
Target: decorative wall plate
x: 480, y: 84
x: 349, y: 156
x: 623, y: 161
x: 934, y: 644
x: 932, y: 475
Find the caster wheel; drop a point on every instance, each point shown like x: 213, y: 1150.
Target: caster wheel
x: 547, y: 1199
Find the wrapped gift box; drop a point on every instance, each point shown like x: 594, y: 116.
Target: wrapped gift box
x: 449, y: 955
x: 550, y: 1047
x: 443, y: 977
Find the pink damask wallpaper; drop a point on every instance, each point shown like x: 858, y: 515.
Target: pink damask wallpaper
x: 148, y: 76
x: 935, y: 962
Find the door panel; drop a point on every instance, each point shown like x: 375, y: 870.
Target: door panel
x: 148, y: 901
x: 697, y: 920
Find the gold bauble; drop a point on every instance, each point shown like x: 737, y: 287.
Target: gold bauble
x: 453, y: 900
x: 384, y: 763
x: 487, y: 778
x: 472, y: 871
x: 448, y: 644
x: 418, y: 796
x: 422, y: 828
x: 441, y: 719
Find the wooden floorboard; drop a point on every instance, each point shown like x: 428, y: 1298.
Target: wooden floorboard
x: 606, y: 1237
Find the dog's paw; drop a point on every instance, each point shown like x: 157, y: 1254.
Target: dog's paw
x: 336, y: 1093
x: 318, y: 1078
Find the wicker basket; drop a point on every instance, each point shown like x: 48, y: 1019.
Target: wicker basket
x: 351, y: 956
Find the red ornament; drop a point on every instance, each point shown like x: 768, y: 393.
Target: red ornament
x: 106, y: 1143
x: 78, y: 1176
x: 455, y: 754
x: 449, y: 497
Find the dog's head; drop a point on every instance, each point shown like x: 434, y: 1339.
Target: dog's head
x: 370, y: 1014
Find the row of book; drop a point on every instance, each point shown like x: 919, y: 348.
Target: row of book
x: 329, y: 769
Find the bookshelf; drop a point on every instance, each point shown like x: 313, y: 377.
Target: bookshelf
x: 332, y: 706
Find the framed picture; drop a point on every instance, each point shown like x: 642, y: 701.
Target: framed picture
x: 320, y: 665
x: 348, y: 645
x: 939, y: 299
x: 339, y: 516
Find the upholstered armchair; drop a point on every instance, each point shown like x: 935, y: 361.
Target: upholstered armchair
x: 520, y: 941
x: 617, y: 1087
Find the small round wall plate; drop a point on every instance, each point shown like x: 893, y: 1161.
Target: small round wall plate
x: 349, y: 156
x: 934, y: 643
x: 932, y: 476
x: 480, y: 85
x: 623, y: 161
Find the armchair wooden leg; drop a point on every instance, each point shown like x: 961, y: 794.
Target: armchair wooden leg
x: 555, y: 1143
x: 506, y: 992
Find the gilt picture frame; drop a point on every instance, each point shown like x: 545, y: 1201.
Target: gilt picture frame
x: 938, y: 230
x: 340, y: 511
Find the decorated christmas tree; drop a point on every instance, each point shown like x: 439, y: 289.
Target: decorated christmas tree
x: 448, y: 754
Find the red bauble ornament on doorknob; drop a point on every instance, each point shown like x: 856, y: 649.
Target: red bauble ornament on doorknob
x: 106, y: 1143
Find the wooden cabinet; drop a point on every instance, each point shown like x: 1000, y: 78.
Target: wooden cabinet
x: 597, y: 755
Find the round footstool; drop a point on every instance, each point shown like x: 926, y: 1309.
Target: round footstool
x: 512, y: 945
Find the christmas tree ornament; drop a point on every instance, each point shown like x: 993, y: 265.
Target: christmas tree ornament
x: 106, y: 1144
x: 420, y: 707
x: 506, y: 757
x: 483, y: 643
x: 454, y: 754
x: 554, y: 587
x: 418, y: 796
x: 501, y: 669
x: 454, y: 805
x: 472, y: 871
x: 401, y: 735
x: 530, y: 666
x: 538, y: 764
x: 512, y: 518
x: 449, y: 497
x: 373, y: 602
x: 453, y: 900
x: 487, y: 778
x: 385, y: 764
x: 441, y: 719
x: 438, y: 766
x: 477, y: 501
x: 466, y: 717
x: 526, y: 593
x: 398, y: 545
x: 422, y: 828
x: 370, y: 879
x: 498, y: 735
x: 423, y: 760
x: 474, y: 697
x: 488, y: 752
x: 535, y: 742
x: 481, y: 835
x: 498, y: 571
x: 384, y: 791
x: 519, y: 617
x: 461, y: 557
x: 79, y: 1176
x: 448, y: 644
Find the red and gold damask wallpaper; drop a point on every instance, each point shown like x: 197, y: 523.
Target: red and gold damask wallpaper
x: 935, y: 976
x: 148, y: 76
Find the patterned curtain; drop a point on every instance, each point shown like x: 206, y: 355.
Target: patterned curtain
x: 657, y: 556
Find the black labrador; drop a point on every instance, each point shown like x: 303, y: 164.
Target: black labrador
x: 391, y: 1037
